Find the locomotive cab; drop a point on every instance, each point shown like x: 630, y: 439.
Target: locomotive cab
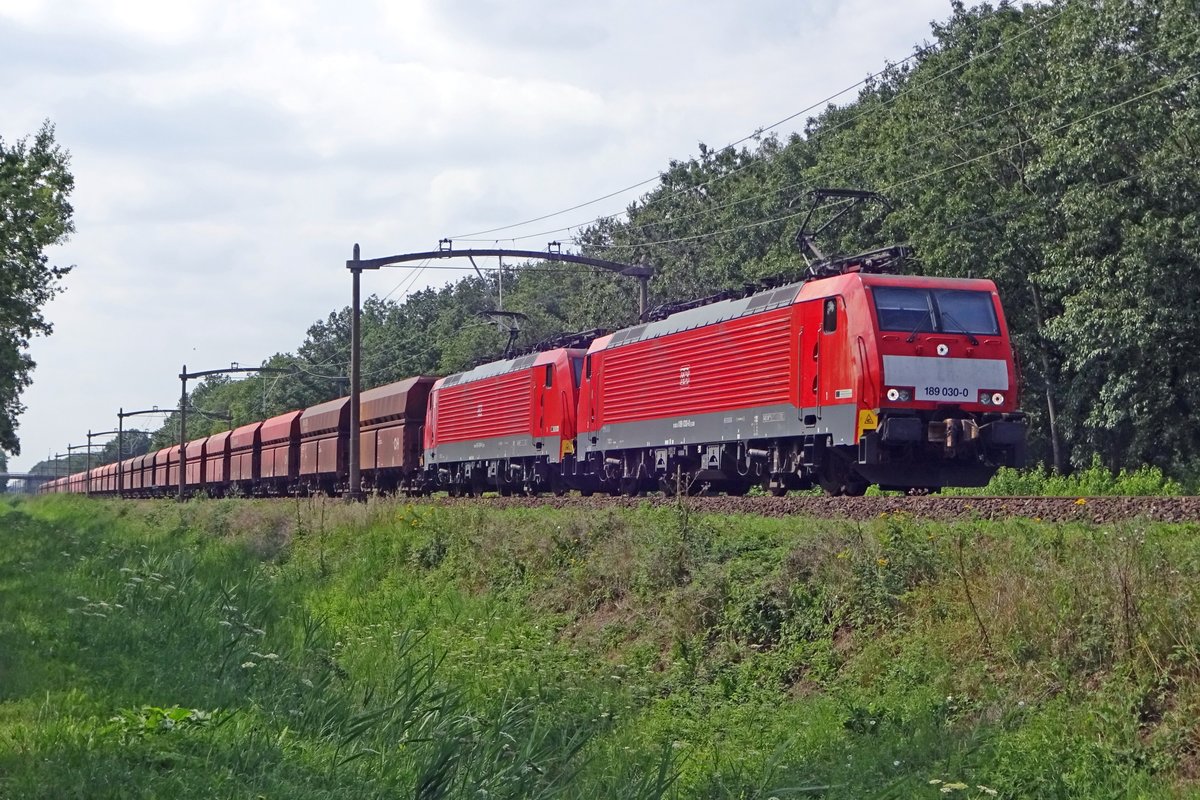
x: 944, y: 408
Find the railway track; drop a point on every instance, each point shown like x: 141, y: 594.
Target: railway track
x: 935, y: 507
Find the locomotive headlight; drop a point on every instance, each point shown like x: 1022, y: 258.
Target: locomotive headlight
x: 985, y: 398
x: 905, y: 395
x: 896, y: 395
x: 997, y: 399
x: 893, y: 395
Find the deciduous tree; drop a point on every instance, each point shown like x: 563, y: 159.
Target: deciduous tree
x: 35, y: 182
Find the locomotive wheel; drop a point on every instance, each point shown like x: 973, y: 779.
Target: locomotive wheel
x: 837, y: 477
x: 847, y: 487
x: 855, y: 487
x: 832, y: 476
x: 831, y: 486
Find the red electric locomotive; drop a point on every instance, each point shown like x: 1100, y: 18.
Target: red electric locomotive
x: 506, y: 426
x: 848, y: 380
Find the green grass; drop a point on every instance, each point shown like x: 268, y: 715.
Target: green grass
x: 309, y: 649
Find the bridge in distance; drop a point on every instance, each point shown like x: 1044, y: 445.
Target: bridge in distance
x: 30, y: 482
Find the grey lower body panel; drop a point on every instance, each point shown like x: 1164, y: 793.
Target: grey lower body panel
x: 767, y: 422
x: 495, y: 449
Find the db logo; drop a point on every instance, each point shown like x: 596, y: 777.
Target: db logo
x: 685, y: 376
x: 479, y: 410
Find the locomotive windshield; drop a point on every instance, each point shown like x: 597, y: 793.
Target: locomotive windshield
x: 911, y: 310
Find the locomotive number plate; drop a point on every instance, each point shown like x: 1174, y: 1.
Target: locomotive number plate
x: 943, y: 393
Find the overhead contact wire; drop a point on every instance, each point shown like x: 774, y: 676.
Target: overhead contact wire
x: 915, y: 178
x: 758, y: 132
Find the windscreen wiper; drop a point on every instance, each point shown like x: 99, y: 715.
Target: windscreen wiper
x: 946, y: 315
x: 912, y: 337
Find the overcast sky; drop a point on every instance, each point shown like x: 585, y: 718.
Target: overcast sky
x: 228, y: 155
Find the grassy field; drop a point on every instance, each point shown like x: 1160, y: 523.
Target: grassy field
x: 312, y: 649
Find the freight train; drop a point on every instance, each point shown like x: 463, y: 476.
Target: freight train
x: 848, y: 378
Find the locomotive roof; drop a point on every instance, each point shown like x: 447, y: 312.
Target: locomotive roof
x: 767, y: 301
x: 495, y: 368
x: 706, y: 315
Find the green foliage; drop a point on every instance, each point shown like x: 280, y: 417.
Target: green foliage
x: 34, y: 215
x: 137, y: 723
x: 1095, y: 481
x: 159, y: 658
x: 318, y: 649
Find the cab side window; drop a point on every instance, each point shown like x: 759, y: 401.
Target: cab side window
x: 829, y: 322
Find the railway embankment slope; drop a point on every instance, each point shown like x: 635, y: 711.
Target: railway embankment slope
x: 313, y: 648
